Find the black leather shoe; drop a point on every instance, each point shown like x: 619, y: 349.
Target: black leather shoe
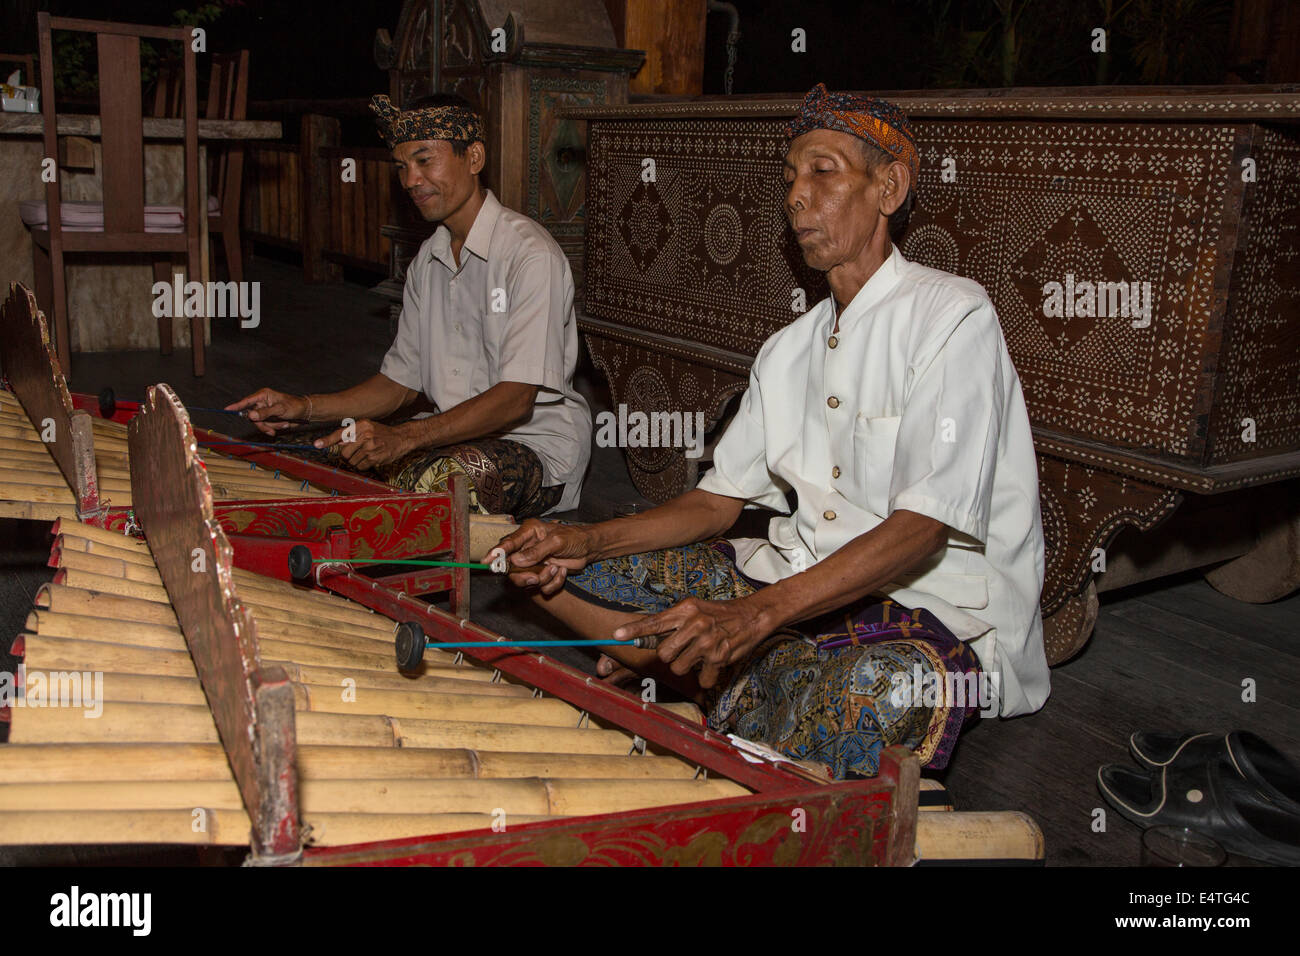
x: 1211, y: 798
x: 1249, y: 755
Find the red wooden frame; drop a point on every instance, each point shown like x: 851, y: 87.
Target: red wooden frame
x: 863, y: 823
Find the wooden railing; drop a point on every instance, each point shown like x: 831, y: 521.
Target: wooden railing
x: 271, y: 199
x: 295, y: 197
x: 359, y: 208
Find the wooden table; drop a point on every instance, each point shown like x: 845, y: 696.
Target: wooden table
x: 109, y: 302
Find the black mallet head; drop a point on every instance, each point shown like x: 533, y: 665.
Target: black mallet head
x: 300, y: 562
x: 107, y: 402
x: 409, y: 643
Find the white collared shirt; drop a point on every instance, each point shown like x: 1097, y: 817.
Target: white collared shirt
x: 912, y: 404
x: 505, y: 314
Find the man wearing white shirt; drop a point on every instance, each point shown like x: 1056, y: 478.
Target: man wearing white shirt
x: 487, y: 334
x: 914, y: 557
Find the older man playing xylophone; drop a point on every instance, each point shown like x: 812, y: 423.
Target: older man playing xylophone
x: 487, y: 334
x: 913, y: 561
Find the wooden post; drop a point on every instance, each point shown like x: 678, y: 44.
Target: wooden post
x: 672, y: 34
x: 314, y: 208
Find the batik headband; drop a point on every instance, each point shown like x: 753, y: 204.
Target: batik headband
x: 433, y: 122
x: 880, y: 123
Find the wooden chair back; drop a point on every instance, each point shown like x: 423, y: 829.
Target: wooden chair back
x: 228, y: 100
x: 28, y: 62
x: 168, y: 89
x: 121, y: 116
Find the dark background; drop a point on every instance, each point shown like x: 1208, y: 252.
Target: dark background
x: 323, y: 48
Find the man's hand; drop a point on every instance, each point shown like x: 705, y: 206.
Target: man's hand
x: 709, y: 635
x: 562, y: 547
x: 272, y: 411
x: 375, y: 444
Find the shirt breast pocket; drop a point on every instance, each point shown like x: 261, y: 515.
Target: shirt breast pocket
x: 874, y: 440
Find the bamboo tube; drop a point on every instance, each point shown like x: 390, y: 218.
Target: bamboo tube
x: 57, y: 653
x: 464, y: 673
x: 84, y: 627
x: 962, y: 835
x: 547, y: 711
x: 126, y: 761
x: 35, y: 511
x: 29, y: 462
x: 107, y: 547
x: 341, y: 829
x: 425, y: 704
x: 146, y: 689
x: 106, y: 565
x: 92, y: 533
x: 88, y: 581
x: 36, y: 763
x: 104, y: 630
x: 295, y: 606
x: 123, y: 607
x: 132, y: 795
x: 26, y: 491
x: 480, y: 735
x: 363, y: 763
x: 529, y: 797
x: 35, y: 461
x: 221, y: 827
x: 14, y: 475
x: 127, y: 723
x: 63, y: 598
x: 135, y: 723
x: 20, y: 432
x: 70, y: 541
x: 78, y: 654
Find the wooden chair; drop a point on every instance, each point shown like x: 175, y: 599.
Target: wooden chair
x: 227, y: 100
x: 122, y: 225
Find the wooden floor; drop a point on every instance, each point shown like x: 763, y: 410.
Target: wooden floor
x: 1169, y: 656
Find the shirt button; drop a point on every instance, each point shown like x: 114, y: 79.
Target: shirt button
x: 833, y: 402
x: 828, y: 515
x: 833, y: 341
x: 835, y: 472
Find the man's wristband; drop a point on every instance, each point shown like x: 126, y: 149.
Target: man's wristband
x: 309, y: 407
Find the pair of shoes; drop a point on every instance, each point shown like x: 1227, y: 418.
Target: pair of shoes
x: 1234, y: 788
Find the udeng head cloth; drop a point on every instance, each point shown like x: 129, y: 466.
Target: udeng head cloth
x: 879, y: 122
x: 433, y: 122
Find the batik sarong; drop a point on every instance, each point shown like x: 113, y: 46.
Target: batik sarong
x: 836, y: 691
x: 503, y: 476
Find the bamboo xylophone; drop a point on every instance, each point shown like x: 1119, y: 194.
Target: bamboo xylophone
x: 381, y: 755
